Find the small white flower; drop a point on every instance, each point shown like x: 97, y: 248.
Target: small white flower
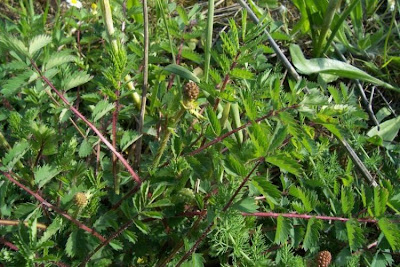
x: 75, y: 3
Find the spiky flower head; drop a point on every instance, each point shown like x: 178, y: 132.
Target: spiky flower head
x: 324, y: 258
x: 191, y: 91
x: 80, y: 199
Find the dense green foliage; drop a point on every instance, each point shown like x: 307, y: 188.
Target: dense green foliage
x: 259, y: 169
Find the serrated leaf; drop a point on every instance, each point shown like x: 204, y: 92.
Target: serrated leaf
x: 116, y: 245
x: 250, y: 107
x: 283, y: 228
x: 285, y: 163
x: 314, y: 98
x: 160, y: 203
x: 355, y: 235
x: 158, y: 191
x: 278, y: 137
x: 38, y: 42
x: 215, y: 124
x: 311, y: 238
x: 71, y: 245
x: 309, y: 199
x: 391, y: 232
x: 44, y: 174
x: 182, y: 72
x: 15, y: 154
x: 130, y: 236
x: 193, y: 56
x: 267, y: 189
x: 77, y: 78
x: 347, y: 200
x: 259, y: 137
x: 13, y: 85
x: 182, y: 14
x: 197, y: 260
x: 51, y: 230
x: 85, y: 149
x: 152, y: 214
x: 242, y: 74
x: 381, y: 196
x: 65, y: 114
x: 334, y: 67
x: 142, y: 227
x: 128, y: 138
x: 234, y: 167
x: 58, y: 59
x: 102, y: 108
x: 14, y: 44
x: 246, y: 205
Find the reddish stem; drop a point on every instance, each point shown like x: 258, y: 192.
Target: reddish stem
x: 88, y: 123
x: 56, y: 209
x: 8, y: 244
x: 114, y: 141
x: 107, y: 241
x: 226, y: 79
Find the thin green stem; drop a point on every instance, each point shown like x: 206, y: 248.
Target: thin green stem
x: 339, y: 24
x: 138, y: 148
x: 210, y: 24
x: 114, y: 42
x: 328, y: 18
x: 171, y: 45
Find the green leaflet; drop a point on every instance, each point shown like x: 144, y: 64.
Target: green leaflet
x: 267, y: 189
x: 381, y: 196
x: 311, y: 237
x: 285, y: 163
x: 37, y: 43
x: 308, y: 198
x: 44, y: 174
x: 333, y: 67
x: 75, y: 79
x: 85, y: 149
x: 59, y: 59
x: 215, y: 124
x: 102, y: 108
x: 234, y: 167
x: 391, y: 232
x: 283, y: 228
x: 15, y: 154
x: 347, y: 200
x: 355, y: 235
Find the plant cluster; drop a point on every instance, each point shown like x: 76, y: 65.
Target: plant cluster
x: 140, y: 134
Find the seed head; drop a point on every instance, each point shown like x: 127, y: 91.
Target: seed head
x: 324, y: 258
x: 80, y: 200
x: 191, y: 91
